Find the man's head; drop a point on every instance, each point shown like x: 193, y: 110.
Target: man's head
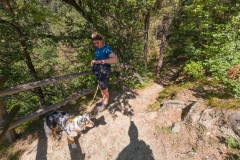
x: 97, y: 40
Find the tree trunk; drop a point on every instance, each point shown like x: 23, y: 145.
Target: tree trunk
x: 146, y: 28
x: 164, y: 43
x: 23, y: 45
x: 158, y: 4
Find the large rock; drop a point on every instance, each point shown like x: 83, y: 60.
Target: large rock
x: 234, y: 120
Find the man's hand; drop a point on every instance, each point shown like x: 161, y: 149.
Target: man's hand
x: 92, y: 62
x: 96, y: 62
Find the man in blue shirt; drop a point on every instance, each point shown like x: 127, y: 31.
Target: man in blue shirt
x: 103, y: 56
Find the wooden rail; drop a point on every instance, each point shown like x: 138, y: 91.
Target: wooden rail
x: 6, y: 120
x: 51, y: 107
x: 24, y: 87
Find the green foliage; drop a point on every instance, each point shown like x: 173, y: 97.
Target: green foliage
x: 195, y: 69
x: 31, y: 26
x: 208, y: 31
x: 42, y: 25
x: 116, y: 20
x: 171, y: 91
x: 233, y: 143
x: 58, y: 42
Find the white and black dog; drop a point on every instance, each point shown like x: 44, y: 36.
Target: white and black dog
x: 72, y: 126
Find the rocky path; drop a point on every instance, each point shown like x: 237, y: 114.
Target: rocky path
x: 121, y: 132
x: 127, y: 132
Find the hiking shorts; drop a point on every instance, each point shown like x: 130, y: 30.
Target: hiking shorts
x: 104, y: 81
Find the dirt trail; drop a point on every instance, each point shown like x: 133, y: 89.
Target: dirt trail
x: 115, y: 136
x: 126, y: 132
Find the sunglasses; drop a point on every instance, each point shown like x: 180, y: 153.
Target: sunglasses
x: 95, y: 43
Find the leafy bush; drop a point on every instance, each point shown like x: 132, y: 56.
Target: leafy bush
x: 208, y: 32
x: 195, y: 68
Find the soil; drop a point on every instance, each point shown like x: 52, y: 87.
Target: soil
x: 126, y: 131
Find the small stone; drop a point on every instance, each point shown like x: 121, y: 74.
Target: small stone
x: 176, y: 127
x: 208, y: 133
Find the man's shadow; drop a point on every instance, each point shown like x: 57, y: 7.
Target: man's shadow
x: 137, y: 149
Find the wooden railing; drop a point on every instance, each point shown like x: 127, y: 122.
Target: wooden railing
x: 7, y: 124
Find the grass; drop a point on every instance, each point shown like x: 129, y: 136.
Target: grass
x: 216, y: 98
x: 143, y: 86
x: 168, y: 93
x: 171, y: 91
x: 224, y: 103
x: 164, y: 130
x: 234, y: 145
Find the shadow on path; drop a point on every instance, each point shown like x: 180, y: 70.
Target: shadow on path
x: 120, y: 103
x: 97, y: 122
x: 137, y: 149
x: 76, y: 154
x: 42, y: 147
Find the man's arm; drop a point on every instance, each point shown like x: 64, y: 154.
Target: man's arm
x: 112, y: 59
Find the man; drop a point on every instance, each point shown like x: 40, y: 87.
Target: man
x: 103, y: 56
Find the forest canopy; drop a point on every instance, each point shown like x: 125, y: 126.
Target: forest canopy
x: 41, y: 39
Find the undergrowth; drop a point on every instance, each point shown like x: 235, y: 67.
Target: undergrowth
x: 224, y: 103
x: 169, y: 93
x: 234, y: 145
x: 208, y: 90
x: 7, y: 151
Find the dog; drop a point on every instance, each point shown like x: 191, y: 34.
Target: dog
x: 71, y: 125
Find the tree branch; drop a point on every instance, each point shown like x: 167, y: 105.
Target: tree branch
x: 79, y: 9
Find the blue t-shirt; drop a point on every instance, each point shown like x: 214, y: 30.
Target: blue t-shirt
x: 103, y: 53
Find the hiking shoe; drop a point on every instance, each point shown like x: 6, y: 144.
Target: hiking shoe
x: 102, y: 107
x: 98, y: 104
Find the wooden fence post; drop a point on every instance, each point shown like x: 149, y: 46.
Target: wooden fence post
x: 11, y: 134
x: 4, y: 127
